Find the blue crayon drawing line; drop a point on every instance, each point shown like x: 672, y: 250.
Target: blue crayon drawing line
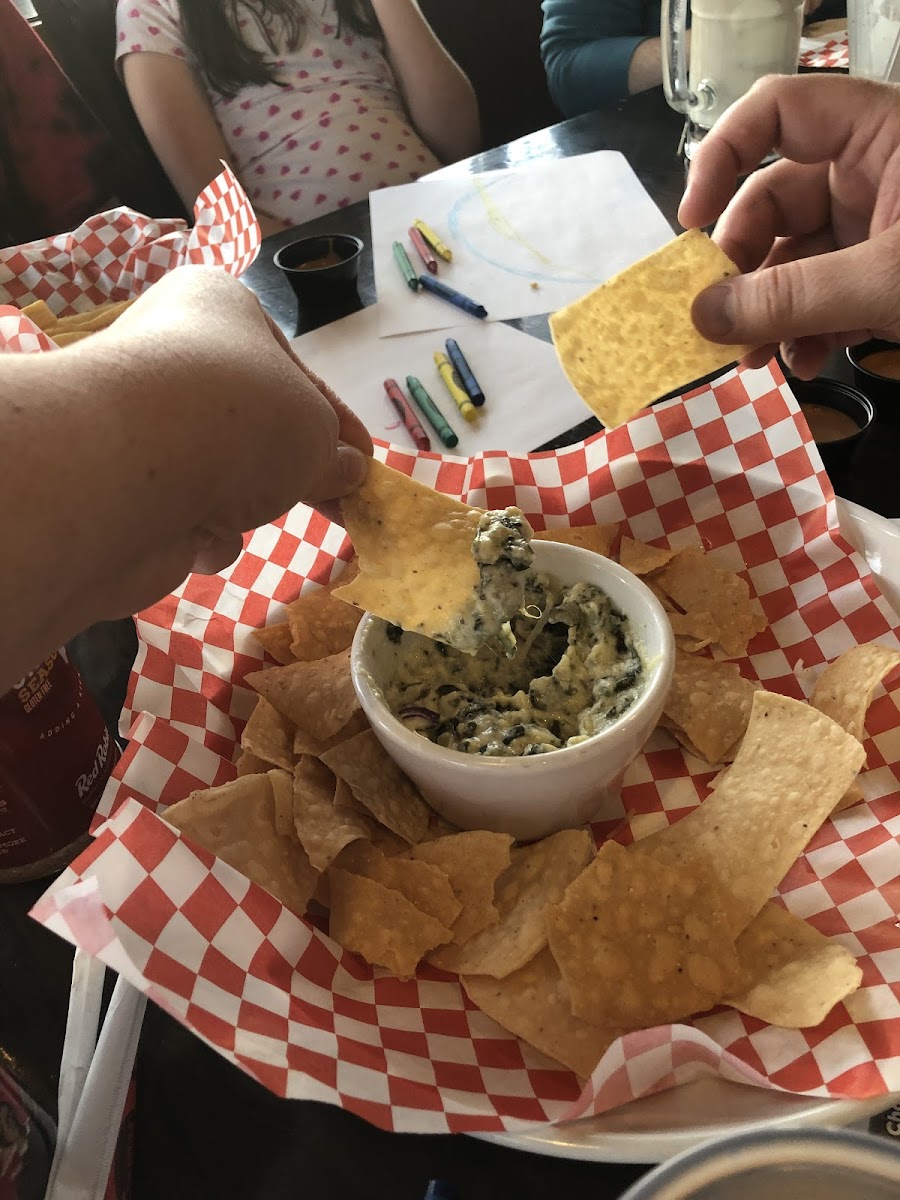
x: 503, y: 228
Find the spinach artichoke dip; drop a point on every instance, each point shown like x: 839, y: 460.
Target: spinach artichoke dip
x: 503, y: 554
x: 565, y: 670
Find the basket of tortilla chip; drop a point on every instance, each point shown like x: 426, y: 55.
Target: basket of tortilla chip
x: 304, y: 912
x: 77, y: 283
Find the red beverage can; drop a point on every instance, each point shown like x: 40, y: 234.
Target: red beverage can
x: 56, y: 754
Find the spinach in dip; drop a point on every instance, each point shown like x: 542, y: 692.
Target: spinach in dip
x: 503, y: 554
x: 575, y: 669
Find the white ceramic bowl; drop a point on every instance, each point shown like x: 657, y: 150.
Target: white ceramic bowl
x: 537, y: 795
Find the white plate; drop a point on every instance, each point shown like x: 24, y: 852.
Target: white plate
x: 661, y: 1126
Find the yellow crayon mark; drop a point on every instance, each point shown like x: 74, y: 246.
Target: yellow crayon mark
x: 499, y: 222
x: 502, y: 226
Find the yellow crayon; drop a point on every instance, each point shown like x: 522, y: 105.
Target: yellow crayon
x: 452, y: 383
x: 433, y: 240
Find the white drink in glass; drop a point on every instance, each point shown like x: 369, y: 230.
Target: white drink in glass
x: 734, y: 43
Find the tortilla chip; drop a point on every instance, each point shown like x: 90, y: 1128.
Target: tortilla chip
x: 640, y: 558
x: 321, y: 625
x: 323, y: 828
x: 249, y: 764
x: 472, y: 861
x: 680, y: 736
x: 269, y: 736
x: 92, y: 319
x: 317, y: 696
x: 379, y: 784
x: 710, y: 702
x: 439, y: 827
x: 305, y: 743
x: 380, y: 924
x: 642, y: 943
x: 425, y: 886
x: 283, y: 793
x: 536, y: 879
x: 645, y: 313
x: 791, y: 975
x: 236, y: 822
x: 69, y: 339
x: 688, y: 746
x: 40, y: 313
x: 717, y: 779
x: 793, y: 766
x: 693, y: 631
x: 697, y: 585
x: 666, y: 601
x: 382, y: 839
x: 386, y: 841
x: 845, y: 688
x: 276, y: 641
x: 853, y: 795
x: 533, y: 1003
x: 598, y: 538
x: 347, y: 572
x: 417, y: 569
x: 344, y: 798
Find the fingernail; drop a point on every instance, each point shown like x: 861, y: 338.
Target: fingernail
x: 688, y: 183
x: 713, y: 312
x: 353, y: 465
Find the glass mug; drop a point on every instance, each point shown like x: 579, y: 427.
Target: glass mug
x: 874, y: 35
x: 733, y: 43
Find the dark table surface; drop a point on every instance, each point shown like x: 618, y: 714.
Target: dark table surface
x: 203, y: 1129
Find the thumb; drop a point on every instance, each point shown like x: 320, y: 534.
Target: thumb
x: 855, y: 288
x: 341, y: 470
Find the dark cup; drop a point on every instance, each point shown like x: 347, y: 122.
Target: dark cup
x: 830, y: 393
x: 322, y: 272
x: 881, y: 390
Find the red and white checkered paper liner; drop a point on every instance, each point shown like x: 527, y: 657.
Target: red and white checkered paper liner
x: 117, y: 254
x: 734, y: 465
x: 828, y: 54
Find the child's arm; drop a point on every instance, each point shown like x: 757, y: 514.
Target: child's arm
x: 175, y: 114
x: 439, y: 97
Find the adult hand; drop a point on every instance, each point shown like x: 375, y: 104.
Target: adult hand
x: 244, y: 429
x: 146, y: 451
x: 818, y: 231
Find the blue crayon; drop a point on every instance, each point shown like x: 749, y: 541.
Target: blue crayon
x: 464, y: 371
x: 437, y: 288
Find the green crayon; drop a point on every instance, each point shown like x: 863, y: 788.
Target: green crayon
x: 402, y: 260
x: 431, y: 412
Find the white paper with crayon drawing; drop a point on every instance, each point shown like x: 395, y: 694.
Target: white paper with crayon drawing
x: 525, y: 241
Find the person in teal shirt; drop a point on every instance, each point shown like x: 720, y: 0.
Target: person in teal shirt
x: 595, y: 51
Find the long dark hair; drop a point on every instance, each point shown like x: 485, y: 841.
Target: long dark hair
x: 228, y: 64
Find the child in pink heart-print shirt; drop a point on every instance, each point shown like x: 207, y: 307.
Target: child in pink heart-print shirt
x: 335, y: 121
